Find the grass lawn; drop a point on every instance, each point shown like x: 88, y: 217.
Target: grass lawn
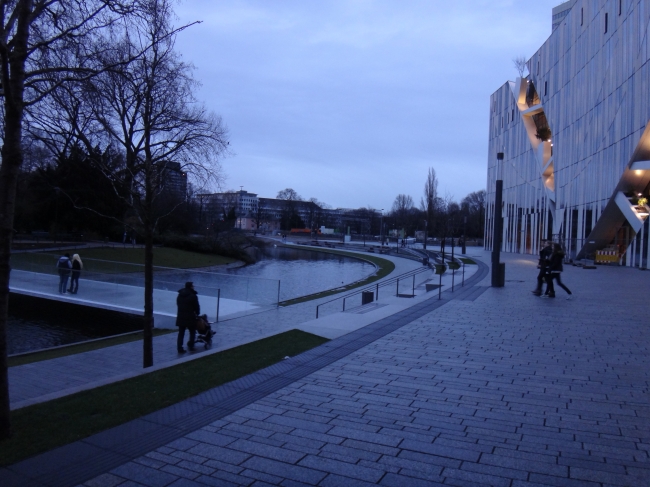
x: 82, y: 347
x: 118, y: 260
x: 385, y: 267
x: 467, y: 260
x: 45, y: 426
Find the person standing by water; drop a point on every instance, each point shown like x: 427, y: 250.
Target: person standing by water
x: 77, y: 265
x: 544, y: 258
x: 187, y: 302
x: 555, y: 268
x: 63, y: 265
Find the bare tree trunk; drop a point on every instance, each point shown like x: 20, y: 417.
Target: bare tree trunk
x: 13, y: 81
x: 11, y: 162
x: 147, y: 342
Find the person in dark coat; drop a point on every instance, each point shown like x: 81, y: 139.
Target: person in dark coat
x: 63, y: 266
x: 544, y: 259
x: 555, y: 268
x: 77, y: 265
x: 188, y: 310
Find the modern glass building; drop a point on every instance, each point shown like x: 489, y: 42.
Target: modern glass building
x: 575, y: 139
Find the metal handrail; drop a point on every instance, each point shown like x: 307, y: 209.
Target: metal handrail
x: 375, y: 288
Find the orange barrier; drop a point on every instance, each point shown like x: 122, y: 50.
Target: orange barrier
x: 606, y: 257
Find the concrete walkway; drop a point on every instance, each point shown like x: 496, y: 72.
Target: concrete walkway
x: 43, y: 381
x: 493, y: 387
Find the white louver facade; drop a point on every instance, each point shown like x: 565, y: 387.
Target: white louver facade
x: 575, y: 138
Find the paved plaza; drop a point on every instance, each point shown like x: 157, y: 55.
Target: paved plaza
x: 487, y: 386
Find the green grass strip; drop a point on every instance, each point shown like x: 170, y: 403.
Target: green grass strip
x: 384, y: 268
x: 48, y: 425
x: 64, y: 351
x: 468, y: 261
x: 110, y: 260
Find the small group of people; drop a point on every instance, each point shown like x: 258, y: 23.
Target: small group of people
x: 550, y: 269
x: 69, y: 268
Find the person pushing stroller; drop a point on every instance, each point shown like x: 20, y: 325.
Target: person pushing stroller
x: 189, y: 309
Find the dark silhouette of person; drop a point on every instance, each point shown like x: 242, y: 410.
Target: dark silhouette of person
x: 555, y: 268
x: 77, y: 265
x: 187, y: 302
x: 544, y: 259
x: 64, y: 266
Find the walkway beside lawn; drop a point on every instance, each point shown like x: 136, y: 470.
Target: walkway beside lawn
x: 46, y: 380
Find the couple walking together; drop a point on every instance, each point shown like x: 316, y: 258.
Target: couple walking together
x: 69, y: 269
x: 550, y: 269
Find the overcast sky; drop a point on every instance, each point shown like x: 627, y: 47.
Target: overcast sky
x: 352, y: 101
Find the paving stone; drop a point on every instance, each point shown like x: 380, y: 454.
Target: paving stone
x: 395, y: 480
x: 293, y: 472
x: 219, y: 453
x: 341, y: 468
x: 143, y: 475
x: 443, y: 451
x: 104, y: 480
x: 268, y: 451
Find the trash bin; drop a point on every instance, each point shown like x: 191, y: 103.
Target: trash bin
x: 367, y: 297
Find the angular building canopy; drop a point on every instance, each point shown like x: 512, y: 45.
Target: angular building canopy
x: 575, y: 138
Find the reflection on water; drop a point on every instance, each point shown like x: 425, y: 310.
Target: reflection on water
x: 34, y: 334
x: 37, y: 323
x: 304, y: 272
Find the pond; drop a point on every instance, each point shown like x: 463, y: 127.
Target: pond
x: 34, y: 326
x: 302, y: 272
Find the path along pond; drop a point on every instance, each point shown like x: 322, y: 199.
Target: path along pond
x: 300, y: 272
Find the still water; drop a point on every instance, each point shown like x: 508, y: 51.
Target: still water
x: 300, y: 272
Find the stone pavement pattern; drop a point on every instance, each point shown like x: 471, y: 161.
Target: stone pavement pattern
x: 507, y: 390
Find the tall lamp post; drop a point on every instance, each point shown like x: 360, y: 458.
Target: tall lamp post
x: 498, y: 269
x: 464, y: 233
x: 426, y: 224
x: 381, y: 228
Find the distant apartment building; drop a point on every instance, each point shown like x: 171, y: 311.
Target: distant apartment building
x: 575, y: 138
x: 172, y: 179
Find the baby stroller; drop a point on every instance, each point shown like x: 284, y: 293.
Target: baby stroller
x: 204, y: 332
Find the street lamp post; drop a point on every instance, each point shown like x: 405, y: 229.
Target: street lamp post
x: 381, y: 228
x: 498, y: 270
x: 426, y: 224
x: 464, y: 233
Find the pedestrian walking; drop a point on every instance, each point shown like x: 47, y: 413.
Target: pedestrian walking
x: 544, y: 259
x: 555, y: 269
x: 64, y: 266
x: 187, y: 302
x: 77, y: 265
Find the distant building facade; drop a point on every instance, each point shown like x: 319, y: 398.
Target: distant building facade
x: 560, y: 12
x: 253, y: 213
x: 172, y: 179
x: 575, y: 138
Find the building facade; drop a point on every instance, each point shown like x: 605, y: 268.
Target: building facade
x: 575, y: 139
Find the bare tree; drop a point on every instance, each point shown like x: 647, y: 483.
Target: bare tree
x: 36, y: 39
x: 148, y: 111
x: 288, y: 194
x: 402, y: 206
x: 473, y: 205
x: 520, y: 65
x: 290, y: 217
x: 428, y: 202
